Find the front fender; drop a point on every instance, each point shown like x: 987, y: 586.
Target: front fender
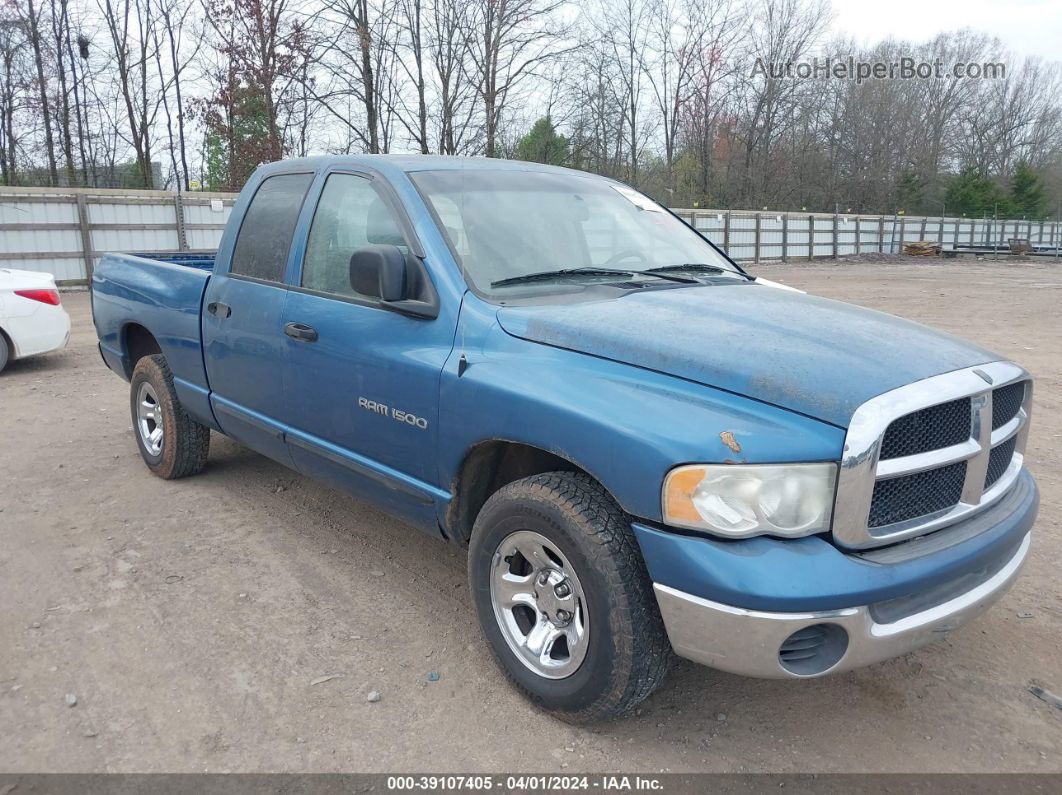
x: 626, y: 426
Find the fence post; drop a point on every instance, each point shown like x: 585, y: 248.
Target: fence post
x: 785, y: 237
x: 756, y: 247
x: 811, y: 237
x: 836, y: 220
x: 955, y: 237
x: 726, y: 232
x: 859, y: 238
x: 922, y: 229
x: 903, y: 231
x: 881, y: 234
x: 178, y: 209
x: 86, y: 236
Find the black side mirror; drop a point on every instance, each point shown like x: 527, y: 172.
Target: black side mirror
x: 380, y: 271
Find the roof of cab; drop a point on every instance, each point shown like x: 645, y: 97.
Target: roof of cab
x: 406, y: 163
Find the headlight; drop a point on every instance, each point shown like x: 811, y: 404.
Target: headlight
x: 739, y: 501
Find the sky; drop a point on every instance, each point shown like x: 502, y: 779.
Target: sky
x: 1028, y: 27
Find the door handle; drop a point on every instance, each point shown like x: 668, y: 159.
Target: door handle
x: 219, y: 309
x: 301, y: 331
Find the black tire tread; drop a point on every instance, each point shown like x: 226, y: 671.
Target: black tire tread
x: 643, y: 652
x: 190, y: 439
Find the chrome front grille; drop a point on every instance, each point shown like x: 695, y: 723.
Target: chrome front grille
x: 910, y: 496
x: 928, y: 429
x: 1006, y: 402
x: 931, y: 453
x: 999, y: 460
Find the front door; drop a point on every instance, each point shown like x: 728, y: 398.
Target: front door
x: 243, y: 336
x: 362, y: 382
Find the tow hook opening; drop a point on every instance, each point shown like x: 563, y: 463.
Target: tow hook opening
x: 813, y: 650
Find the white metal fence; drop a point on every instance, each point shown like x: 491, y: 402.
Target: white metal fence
x: 754, y: 236
x: 64, y: 230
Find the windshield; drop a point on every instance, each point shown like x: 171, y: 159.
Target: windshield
x: 505, y: 225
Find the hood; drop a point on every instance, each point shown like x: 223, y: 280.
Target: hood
x: 819, y: 357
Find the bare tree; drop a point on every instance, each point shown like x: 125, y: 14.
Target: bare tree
x: 171, y: 63
x: 784, y: 32
x: 13, y: 43
x: 358, y: 56
x: 411, y: 18
x: 509, y: 39
x: 625, y: 27
x: 450, y: 45
x: 130, y: 25
x: 31, y: 18
x: 265, y: 42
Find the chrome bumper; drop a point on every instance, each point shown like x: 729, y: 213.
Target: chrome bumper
x: 748, y: 642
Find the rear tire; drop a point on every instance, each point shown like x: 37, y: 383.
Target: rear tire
x: 564, y: 599
x: 5, y: 352
x: 172, y: 444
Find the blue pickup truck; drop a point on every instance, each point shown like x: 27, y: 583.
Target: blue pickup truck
x: 645, y: 450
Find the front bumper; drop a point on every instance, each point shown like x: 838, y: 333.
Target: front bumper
x: 754, y: 642
x: 734, y: 604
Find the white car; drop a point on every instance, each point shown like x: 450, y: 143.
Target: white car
x: 32, y: 318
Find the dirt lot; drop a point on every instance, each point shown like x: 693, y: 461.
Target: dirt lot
x: 193, y: 620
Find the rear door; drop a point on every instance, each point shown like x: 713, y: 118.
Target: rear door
x: 363, y: 390
x: 243, y: 337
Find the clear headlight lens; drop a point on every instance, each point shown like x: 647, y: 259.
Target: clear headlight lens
x: 739, y: 501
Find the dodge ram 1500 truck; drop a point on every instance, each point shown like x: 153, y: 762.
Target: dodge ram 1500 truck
x: 644, y: 449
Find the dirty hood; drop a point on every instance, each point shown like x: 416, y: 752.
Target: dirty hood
x: 812, y: 355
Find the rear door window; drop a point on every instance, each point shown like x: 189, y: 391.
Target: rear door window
x: 265, y: 234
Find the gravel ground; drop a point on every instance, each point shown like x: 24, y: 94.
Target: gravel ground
x: 239, y: 620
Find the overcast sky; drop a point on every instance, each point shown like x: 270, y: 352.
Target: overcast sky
x: 1028, y: 27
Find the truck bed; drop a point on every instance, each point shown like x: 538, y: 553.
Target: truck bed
x: 203, y: 260
x: 147, y: 299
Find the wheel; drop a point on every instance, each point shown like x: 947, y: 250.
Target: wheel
x: 172, y: 444
x: 5, y: 353
x: 564, y: 599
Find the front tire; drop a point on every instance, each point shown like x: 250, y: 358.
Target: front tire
x: 564, y: 599
x: 172, y: 444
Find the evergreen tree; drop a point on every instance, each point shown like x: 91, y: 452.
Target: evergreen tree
x: 910, y: 192
x: 216, y: 160
x: 543, y: 145
x: 1027, y: 192
x: 972, y: 193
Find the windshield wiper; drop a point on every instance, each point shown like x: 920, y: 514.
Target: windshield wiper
x: 697, y: 267
x: 560, y: 273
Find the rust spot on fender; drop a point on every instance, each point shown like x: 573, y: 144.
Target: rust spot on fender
x: 730, y: 441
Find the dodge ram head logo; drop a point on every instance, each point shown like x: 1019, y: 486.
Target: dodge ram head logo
x: 396, y: 414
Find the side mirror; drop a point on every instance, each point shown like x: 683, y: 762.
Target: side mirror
x: 379, y: 270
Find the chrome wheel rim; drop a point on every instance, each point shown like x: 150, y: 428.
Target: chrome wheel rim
x: 149, y: 419
x: 539, y: 604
